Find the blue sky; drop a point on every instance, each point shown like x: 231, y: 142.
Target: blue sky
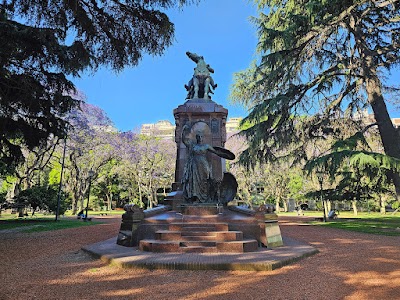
x: 219, y: 30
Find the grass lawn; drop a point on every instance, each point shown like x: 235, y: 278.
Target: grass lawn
x: 374, y: 223
x: 107, y: 212
x: 40, y: 223
x: 45, y: 222
x: 387, y: 225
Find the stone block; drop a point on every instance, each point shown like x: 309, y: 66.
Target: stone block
x: 273, y: 235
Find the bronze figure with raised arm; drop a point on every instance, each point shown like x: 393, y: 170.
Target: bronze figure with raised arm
x: 201, y: 84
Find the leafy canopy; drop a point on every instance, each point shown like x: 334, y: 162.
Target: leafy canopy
x: 323, y: 59
x: 43, y: 42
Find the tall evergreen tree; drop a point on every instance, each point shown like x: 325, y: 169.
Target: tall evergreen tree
x: 43, y: 42
x: 327, y: 58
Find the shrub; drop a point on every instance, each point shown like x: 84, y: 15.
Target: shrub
x: 42, y: 197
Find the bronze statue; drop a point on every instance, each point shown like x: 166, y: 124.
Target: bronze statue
x: 201, y: 84
x: 198, y: 184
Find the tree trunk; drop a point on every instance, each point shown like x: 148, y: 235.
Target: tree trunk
x: 277, y: 207
x: 140, y: 192
x: 383, y: 205
x: 150, y: 193
x: 74, y: 208
x: 81, y: 204
x: 155, y: 197
x: 326, y: 208
x: 390, y: 137
x: 20, y: 211
x: 109, y: 201
x: 354, y: 203
x: 285, y: 206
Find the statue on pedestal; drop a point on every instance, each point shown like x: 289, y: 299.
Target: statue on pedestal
x: 201, y: 84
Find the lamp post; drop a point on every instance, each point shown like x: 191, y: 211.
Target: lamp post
x: 320, y: 176
x: 91, y: 173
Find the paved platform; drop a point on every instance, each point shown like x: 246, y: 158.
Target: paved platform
x: 261, y: 260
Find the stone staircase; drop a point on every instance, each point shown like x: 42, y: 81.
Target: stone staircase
x: 199, y: 238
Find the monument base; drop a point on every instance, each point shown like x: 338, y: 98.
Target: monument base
x: 201, y: 209
x: 203, y: 228
x: 174, y: 199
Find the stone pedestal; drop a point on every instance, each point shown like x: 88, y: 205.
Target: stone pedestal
x: 208, y: 117
x: 174, y: 199
x: 131, y: 220
x: 201, y: 209
x: 273, y: 234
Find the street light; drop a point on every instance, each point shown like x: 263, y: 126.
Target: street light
x: 91, y: 174
x: 320, y: 176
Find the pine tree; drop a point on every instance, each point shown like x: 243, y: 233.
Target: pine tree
x: 44, y: 42
x: 328, y: 59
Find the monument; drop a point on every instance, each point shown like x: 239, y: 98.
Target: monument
x: 197, y: 215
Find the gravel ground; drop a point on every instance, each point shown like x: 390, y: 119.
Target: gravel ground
x: 50, y: 265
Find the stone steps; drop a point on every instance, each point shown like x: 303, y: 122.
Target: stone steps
x: 199, y: 246
x: 166, y: 235
x: 199, y: 233
x: 199, y: 249
x: 198, y: 238
x: 198, y: 227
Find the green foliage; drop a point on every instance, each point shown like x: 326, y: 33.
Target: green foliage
x: 44, y: 42
x: 51, y: 202
x: 370, y: 162
x: 355, y: 174
x: 7, y: 183
x: 296, y: 185
x: 360, y: 172
x: 41, y: 197
x: 326, y: 58
x: 55, y: 174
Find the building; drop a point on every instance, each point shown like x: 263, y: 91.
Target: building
x: 232, y: 125
x: 165, y: 130
x: 396, y: 122
x: 162, y: 129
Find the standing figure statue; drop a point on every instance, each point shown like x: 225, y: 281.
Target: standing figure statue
x: 201, y: 84
x: 197, y: 182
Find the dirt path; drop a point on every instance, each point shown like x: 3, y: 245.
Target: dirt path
x: 52, y: 266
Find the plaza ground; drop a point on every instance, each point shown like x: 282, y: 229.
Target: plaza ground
x: 51, y: 265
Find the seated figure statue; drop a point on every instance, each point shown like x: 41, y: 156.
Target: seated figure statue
x: 201, y: 84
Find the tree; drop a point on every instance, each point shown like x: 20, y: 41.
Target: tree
x: 43, y: 42
x: 42, y: 197
x: 357, y: 169
x: 36, y: 165
x: 146, y: 164
x: 329, y: 58
x: 90, y: 147
x: 107, y: 185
